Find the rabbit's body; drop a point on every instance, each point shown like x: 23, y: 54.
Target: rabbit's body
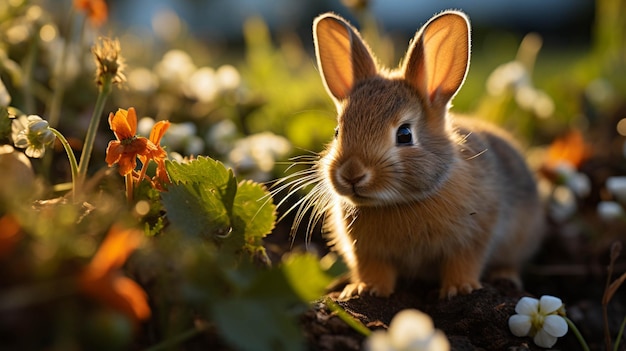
x: 409, y: 190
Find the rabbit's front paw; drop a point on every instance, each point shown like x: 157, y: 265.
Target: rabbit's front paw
x: 354, y: 289
x: 450, y: 291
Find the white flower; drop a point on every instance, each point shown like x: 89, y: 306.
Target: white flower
x: 143, y: 80
x: 203, y: 85
x: 256, y: 154
x: 610, y: 210
x: 541, y: 319
x: 562, y: 204
x: 175, y: 68
x: 33, y: 134
x: 409, y: 330
x: 617, y: 187
x: 228, y: 77
x: 510, y: 75
x: 578, y: 182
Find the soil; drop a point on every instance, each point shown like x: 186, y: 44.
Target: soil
x: 569, y: 266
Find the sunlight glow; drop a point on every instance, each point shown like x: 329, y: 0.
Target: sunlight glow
x: 48, y: 33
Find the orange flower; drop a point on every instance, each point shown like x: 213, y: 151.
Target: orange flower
x: 565, y: 154
x: 96, y: 10
x: 103, y: 280
x: 128, y: 146
x: 156, y: 134
x: 570, y: 149
x: 159, y: 156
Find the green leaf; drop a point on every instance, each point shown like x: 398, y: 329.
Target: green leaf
x: 259, y: 312
x: 257, y: 325
x: 305, y: 276
x: 211, y: 174
x: 255, y: 213
x: 200, y: 199
x: 196, y: 211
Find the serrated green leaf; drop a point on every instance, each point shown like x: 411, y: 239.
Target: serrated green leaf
x: 199, y: 201
x: 201, y: 170
x: 212, y: 174
x: 255, y: 211
x: 196, y: 211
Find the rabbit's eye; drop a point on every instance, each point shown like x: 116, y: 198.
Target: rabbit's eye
x: 404, y: 136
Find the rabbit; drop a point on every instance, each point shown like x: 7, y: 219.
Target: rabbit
x: 406, y: 189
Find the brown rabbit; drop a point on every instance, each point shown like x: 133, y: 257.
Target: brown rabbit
x: 407, y: 190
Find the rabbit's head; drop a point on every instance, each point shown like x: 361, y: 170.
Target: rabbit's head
x: 394, y: 142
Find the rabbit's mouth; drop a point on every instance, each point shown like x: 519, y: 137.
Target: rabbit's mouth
x: 360, y: 198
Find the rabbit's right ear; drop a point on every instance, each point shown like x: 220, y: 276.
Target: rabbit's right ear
x: 342, y: 56
x: 438, y: 59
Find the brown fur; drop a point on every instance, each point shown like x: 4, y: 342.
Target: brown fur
x: 458, y: 199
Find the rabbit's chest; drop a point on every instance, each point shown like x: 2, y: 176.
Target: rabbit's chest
x: 411, y: 238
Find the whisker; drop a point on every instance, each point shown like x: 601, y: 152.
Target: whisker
x: 476, y: 155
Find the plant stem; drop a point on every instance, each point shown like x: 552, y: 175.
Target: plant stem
x: 180, y: 338
x: 576, y: 332
x: 129, y: 187
x: 105, y: 91
x: 71, y: 158
x: 347, y: 318
x: 619, y: 335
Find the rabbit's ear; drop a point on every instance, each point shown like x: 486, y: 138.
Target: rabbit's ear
x: 438, y: 59
x: 342, y: 56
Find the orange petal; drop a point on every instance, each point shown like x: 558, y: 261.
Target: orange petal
x: 132, y: 120
x: 123, y: 123
x: 132, y: 298
x: 114, y: 250
x: 102, y: 280
x: 99, y: 12
x: 158, y: 130
x: 161, y: 175
x: 119, y: 124
x: 114, y: 152
x: 96, y: 10
x: 127, y: 163
x: 570, y: 149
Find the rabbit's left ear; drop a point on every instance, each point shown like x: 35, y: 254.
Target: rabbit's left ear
x: 438, y: 59
x: 342, y: 56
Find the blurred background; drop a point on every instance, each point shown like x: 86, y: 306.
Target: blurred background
x: 238, y: 80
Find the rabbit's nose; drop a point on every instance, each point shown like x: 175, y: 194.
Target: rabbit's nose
x: 353, y: 174
x: 353, y: 179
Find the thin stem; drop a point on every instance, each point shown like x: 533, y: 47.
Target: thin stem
x: 70, y: 157
x: 615, y: 251
x: 576, y: 332
x: 619, y: 335
x: 347, y: 318
x: 129, y: 186
x: 178, y: 339
x: 85, y: 156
